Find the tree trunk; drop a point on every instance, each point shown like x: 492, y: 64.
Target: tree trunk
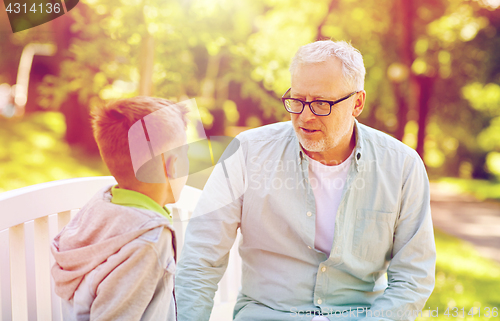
x: 146, y: 62
x: 319, y: 34
x: 404, y: 17
x: 78, y: 128
x: 425, y: 84
x: 402, y: 110
x: 479, y: 166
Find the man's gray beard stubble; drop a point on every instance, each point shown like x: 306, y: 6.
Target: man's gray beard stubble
x: 312, y: 146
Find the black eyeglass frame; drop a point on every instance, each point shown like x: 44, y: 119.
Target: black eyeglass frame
x: 331, y: 103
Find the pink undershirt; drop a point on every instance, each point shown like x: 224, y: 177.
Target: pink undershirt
x: 327, y: 183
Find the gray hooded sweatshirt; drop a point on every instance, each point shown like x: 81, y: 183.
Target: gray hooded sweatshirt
x: 115, y: 262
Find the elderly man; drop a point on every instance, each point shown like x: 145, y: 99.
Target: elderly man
x: 334, y: 215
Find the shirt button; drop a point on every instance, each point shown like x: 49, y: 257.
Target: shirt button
x: 323, y: 269
x: 320, y: 301
x: 309, y: 214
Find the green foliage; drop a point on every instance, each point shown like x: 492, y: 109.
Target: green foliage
x: 484, y: 98
x: 455, y: 48
x: 33, y: 151
x: 236, y: 53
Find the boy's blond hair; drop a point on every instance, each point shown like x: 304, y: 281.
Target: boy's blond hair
x: 111, y: 124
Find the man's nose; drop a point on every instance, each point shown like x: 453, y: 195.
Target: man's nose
x: 307, y: 113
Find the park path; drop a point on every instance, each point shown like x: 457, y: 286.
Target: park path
x: 465, y: 217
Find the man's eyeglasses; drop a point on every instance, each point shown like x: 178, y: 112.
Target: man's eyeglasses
x: 318, y: 107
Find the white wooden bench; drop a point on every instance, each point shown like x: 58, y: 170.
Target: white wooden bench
x: 31, y: 217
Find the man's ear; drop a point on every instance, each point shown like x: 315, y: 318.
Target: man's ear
x: 359, y: 103
x: 170, y: 166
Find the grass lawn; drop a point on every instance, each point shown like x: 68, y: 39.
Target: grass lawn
x: 481, y: 189
x: 464, y: 279
x: 33, y: 150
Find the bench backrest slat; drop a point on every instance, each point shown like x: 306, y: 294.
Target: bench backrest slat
x: 42, y: 269
x: 18, y: 284
x: 28, y: 203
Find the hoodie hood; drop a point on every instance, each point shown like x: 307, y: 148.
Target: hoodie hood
x: 98, y: 230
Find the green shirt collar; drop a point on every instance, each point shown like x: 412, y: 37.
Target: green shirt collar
x: 126, y: 197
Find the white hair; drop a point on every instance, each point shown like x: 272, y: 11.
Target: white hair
x: 353, y: 68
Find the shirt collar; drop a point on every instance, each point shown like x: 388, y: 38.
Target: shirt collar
x: 126, y: 197
x: 357, y: 149
x: 300, y: 151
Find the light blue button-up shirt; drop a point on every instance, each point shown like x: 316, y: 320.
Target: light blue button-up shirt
x: 383, y: 225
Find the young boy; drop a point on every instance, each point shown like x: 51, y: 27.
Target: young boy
x: 115, y: 258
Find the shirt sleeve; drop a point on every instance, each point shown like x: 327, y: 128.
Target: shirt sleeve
x: 412, y: 268
x: 127, y: 282
x: 209, y: 237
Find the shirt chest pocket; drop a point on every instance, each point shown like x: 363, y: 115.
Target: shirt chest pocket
x: 373, y: 234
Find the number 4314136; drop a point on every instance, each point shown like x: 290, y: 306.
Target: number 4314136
x: 456, y: 312
x: 23, y: 8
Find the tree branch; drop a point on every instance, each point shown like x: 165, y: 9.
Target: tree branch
x: 333, y: 4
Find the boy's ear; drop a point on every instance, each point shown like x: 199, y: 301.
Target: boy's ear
x: 170, y: 166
